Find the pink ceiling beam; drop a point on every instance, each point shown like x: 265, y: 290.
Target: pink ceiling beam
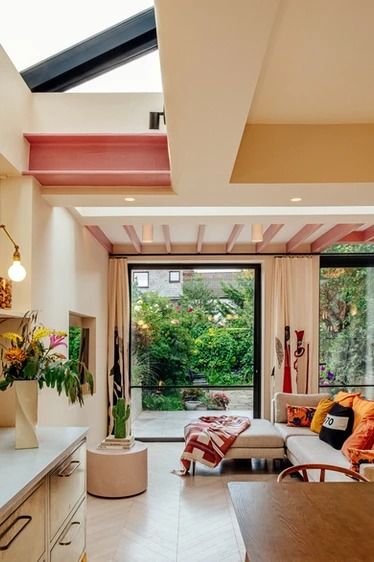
x: 233, y: 237
x: 269, y: 234
x: 97, y: 159
x: 99, y: 235
x: 332, y: 236
x: 200, y: 238
x: 368, y: 234
x: 301, y: 235
x: 134, y: 239
x: 355, y: 237
x: 167, y: 239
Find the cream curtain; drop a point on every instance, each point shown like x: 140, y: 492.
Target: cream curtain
x: 295, y: 313
x: 118, y: 333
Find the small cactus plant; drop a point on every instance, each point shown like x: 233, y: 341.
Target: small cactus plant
x: 121, y: 413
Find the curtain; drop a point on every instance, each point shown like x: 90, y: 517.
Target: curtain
x: 118, y: 334
x: 295, y: 313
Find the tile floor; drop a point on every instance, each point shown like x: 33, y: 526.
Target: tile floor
x: 169, y: 425
x: 177, y: 519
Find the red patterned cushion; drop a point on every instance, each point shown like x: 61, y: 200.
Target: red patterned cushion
x: 359, y: 456
x: 299, y: 416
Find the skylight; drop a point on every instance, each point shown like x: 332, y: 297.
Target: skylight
x: 46, y: 28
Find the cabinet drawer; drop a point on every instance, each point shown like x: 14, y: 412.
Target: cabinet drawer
x: 22, y: 534
x: 67, y: 484
x: 71, y: 543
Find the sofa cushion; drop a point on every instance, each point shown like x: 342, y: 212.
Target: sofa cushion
x: 322, y: 410
x: 287, y: 431
x: 299, y: 416
x: 346, y: 398
x: 361, y: 438
x: 363, y: 409
x: 337, y: 426
x: 281, y: 399
x: 261, y: 434
x: 304, y: 450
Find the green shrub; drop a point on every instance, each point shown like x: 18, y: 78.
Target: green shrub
x: 156, y: 401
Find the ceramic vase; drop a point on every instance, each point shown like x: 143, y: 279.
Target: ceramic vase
x: 26, y: 414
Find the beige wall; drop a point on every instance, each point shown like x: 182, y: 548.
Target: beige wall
x: 69, y: 273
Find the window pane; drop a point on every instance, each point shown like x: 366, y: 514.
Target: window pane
x: 347, y: 327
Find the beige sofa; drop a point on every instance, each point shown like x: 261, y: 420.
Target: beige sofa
x: 303, y: 446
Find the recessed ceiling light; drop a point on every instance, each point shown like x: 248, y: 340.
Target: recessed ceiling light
x: 130, y: 199
x: 295, y: 199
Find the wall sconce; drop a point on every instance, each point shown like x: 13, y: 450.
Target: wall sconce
x: 154, y: 119
x: 257, y: 234
x: 147, y: 233
x: 16, y: 271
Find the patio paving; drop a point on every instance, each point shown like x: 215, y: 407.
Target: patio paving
x: 154, y: 425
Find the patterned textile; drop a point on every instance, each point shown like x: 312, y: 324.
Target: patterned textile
x: 209, y: 438
x: 358, y: 456
x: 300, y: 416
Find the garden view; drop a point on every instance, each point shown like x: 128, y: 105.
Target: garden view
x: 199, y: 338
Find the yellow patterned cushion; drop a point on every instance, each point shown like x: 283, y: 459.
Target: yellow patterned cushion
x: 323, y: 408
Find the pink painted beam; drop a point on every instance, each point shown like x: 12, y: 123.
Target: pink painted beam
x: 355, y: 237
x: 200, y: 238
x: 98, y: 159
x: 233, y: 237
x: 134, y: 239
x: 269, y: 234
x: 167, y: 239
x: 368, y: 234
x: 99, y: 235
x: 333, y: 236
x: 301, y: 235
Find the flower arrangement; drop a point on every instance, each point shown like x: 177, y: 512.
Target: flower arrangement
x: 32, y: 355
x: 220, y: 399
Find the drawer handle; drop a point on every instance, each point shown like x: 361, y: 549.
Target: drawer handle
x: 26, y: 518
x: 63, y: 541
x: 73, y: 465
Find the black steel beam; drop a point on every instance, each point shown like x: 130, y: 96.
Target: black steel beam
x: 96, y: 55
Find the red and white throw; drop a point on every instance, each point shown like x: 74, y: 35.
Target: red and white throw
x: 209, y: 438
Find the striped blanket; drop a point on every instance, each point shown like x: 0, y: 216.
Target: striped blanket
x: 209, y: 438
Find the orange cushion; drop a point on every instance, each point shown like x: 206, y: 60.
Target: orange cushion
x: 346, y: 398
x: 299, y: 416
x: 361, y: 438
x: 358, y: 456
x: 323, y: 408
x: 363, y: 409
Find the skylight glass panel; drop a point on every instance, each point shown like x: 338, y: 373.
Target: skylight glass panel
x: 31, y: 31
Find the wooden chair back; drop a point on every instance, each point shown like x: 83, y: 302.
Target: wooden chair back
x: 302, y: 470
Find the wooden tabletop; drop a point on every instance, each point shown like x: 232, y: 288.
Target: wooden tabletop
x: 305, y: 522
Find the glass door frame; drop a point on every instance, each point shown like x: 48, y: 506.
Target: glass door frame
x: 257, y: 313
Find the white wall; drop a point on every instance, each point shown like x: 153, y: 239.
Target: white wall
x: 69, y: 272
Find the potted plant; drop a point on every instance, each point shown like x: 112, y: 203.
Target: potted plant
x: 30, y: 359
x: 192, y: 398
x: 218, y: 401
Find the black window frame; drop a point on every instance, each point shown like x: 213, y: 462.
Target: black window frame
x: 141, y: 271
x: 174, y: 280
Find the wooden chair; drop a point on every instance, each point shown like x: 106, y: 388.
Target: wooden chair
x: 302, y: 470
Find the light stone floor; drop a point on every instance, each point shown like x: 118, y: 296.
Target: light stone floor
x: 153, y: 424
x: 177, y: 519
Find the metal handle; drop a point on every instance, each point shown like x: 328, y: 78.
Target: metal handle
x: 63, y: 542
x: 26, y: 518
x: 66, y: 472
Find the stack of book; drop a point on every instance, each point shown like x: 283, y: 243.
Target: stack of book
x: 111, y: 442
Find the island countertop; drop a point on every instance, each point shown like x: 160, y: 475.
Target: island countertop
x: 21, y: 469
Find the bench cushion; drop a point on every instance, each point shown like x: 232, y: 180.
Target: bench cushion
x: 287, y: 431
x: 260, y: 434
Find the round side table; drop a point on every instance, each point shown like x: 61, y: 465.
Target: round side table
x: 113, y: 473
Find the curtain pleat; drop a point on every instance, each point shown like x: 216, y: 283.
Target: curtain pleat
x: 118, y: 334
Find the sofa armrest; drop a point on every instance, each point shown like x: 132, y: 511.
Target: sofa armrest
x: 367, y: 470
x: 281, y: 399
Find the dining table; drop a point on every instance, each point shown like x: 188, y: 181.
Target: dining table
x: 305, y: 521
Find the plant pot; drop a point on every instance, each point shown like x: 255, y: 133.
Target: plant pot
x: 26, y: 414
x: 191, y: 404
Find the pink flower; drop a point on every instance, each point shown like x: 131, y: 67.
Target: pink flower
x: 55, y: 341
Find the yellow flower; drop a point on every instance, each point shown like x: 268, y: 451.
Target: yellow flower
x: 15, y: 355
x: 12, y: 336
x: 59, y: 333
x: 41, y: 332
